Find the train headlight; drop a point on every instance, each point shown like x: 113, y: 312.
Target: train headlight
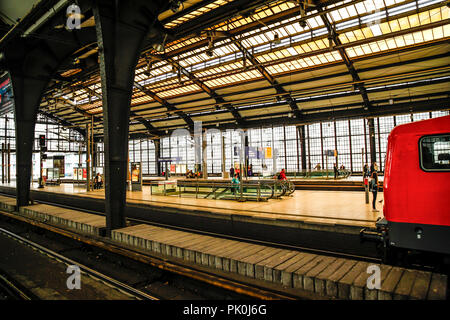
x: 419, y: 233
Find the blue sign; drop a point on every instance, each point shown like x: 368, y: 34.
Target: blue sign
x: 169, y: 159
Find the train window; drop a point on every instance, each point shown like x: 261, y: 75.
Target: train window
x: 435, y: 153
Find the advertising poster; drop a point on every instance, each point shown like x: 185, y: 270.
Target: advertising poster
x: 135, y: 172
x: 84, y: 174
x: 268, y: 152
x: 6, y: 96
x: 58, y: 162
x: 75, y: 173
x: 173, y: 168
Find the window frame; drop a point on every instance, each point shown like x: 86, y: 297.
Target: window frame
x: 420, y: 152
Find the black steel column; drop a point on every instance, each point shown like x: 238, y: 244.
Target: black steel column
x: 350, y: 144
x: 31, y: 62
x: 302, y: 136
x: 246, y: 155
x: 309, y: 149
x: 373, y: 152
x: 27, y: 96
x: 336, y: 158
x: 157, y: 143
x: 321, y: 147
x: 3, y: 161
x: 121, y: 27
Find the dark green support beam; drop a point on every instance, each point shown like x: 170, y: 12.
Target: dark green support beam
x: 122, y: 28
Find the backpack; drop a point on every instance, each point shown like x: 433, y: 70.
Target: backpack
x: 372, y: 185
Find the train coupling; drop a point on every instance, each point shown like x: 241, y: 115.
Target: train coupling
x: 377, y: 235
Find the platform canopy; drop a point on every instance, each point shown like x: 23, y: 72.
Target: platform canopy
x: 242, y: 63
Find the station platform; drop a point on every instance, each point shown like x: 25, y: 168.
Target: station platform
x: 326, y: 276
x: 351, y: 183
x: 324, y: 220
x: 343, y: 208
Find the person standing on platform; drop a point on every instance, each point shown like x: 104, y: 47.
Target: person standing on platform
x: 249, y: 171
x: 235, y: 184
x: 373, y: 186
x: 231, y: 172
x: 238, y: 172
x: 336, y: 172
x: 98, y: 181
x: 365, y: 171
x: 318, y: 167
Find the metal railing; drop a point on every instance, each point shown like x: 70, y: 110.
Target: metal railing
x: 245, y: 190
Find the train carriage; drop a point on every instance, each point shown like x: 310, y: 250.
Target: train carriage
x: 417, y: 186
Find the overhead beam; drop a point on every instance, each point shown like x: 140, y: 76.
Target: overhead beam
x: 166, y: 104
x: 215, y: 16
x: 63, y: 122
x: 329, y: 76
x: 279, y: 89
x: 333, y: 36
x: 238, y: 118
x: 151, y: 129
x: 342, y: 112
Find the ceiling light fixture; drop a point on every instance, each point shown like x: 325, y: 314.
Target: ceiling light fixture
x: 175, y: 5
x: 179, y: 76
x: 147, y: 70
x: 160, y: 46
x: 210, y: 51
x: 330, y: 42
x: 276, y: 38
x: 244, y: 60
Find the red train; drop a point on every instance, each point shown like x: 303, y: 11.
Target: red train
x: 417, y: 188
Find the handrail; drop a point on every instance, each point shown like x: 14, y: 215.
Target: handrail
x: 260, y: 190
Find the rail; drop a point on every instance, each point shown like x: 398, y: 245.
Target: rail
x: 238, y: 286
x: 256, y: 190
x: 138, y: 294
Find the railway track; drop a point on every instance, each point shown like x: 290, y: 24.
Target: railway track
x: 10, y: 289
x: 189, y: 280
x: 105, y: 279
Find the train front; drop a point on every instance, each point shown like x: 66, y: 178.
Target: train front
x: 417, y: 186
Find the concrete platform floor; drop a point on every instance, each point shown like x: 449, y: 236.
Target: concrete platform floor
x: 328, y: 207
